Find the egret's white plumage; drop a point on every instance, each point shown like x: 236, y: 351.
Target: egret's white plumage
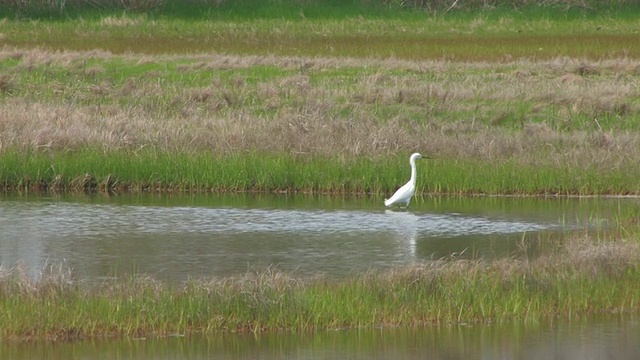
x: 404, y: 194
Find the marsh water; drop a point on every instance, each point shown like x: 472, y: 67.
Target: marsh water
x: 178, y: 237
x: 583, y: 340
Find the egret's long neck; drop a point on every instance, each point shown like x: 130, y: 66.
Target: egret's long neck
x: 413, y: 171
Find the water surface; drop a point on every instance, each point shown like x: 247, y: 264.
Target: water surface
x: 181, y: 237
x: 614, y: 338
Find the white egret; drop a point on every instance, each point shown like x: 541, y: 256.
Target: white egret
x: 404, y: 194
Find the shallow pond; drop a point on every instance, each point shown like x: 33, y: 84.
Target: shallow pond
x: 175, y: 238
x: 180, y: 237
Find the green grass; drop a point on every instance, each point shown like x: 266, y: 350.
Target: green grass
x: 412, y: 39
x: 297, y: 9
x: 582, y: 279
x: 367, y: 31
x: 150, y: 171
x: 506, y: 102
x: 95, y: 170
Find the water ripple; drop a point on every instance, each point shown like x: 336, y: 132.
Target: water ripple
x: 199, y: 241
x: 68, y: 219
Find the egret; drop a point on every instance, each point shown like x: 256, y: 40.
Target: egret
x: 404, y: 194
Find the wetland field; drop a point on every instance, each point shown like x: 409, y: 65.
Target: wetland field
x: 504, y: 98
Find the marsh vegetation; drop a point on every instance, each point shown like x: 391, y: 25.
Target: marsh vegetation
x: 557, y: 126
x: 577, y: 280
x: 521, y: 98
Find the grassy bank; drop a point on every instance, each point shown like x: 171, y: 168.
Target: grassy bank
x: 513, y: 102
x: 99, y: 121
x: 581, y: 278
x: 144, y: 171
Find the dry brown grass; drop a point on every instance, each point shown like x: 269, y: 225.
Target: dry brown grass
x: 532, y: 110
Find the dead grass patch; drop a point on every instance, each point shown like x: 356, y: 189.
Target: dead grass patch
x: 7, y: 85
x: 123, y: 20
x: 532, y: 111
